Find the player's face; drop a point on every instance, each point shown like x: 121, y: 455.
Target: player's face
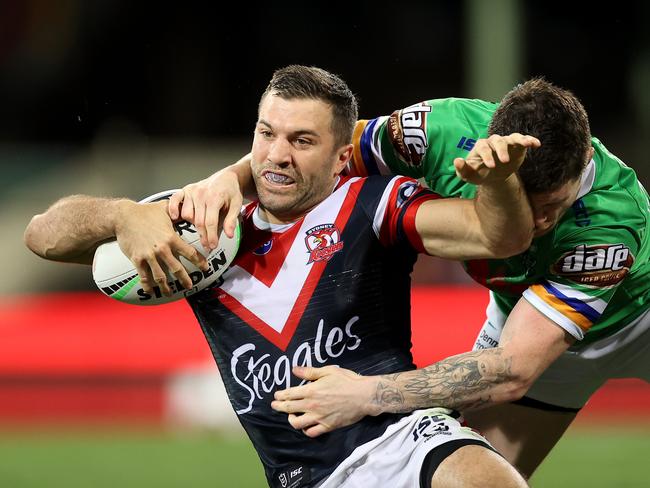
x: 295, y: 159
x: 548, y: 207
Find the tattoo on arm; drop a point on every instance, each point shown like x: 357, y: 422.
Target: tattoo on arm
x: 460, y: 382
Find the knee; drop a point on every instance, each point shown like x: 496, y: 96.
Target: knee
x: 476, y: 466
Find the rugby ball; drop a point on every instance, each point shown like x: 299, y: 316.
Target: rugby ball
x: 116, y: 276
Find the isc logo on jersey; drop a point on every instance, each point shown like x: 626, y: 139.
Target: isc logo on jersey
x: 407, y: 130
x: 600, y: 265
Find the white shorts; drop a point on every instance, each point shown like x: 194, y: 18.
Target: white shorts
x: 571, y: 380
x: 395, y: 459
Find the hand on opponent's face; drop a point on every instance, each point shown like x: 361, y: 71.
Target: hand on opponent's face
x: 495, y: 158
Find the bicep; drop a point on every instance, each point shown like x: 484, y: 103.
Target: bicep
x: 533, y: 340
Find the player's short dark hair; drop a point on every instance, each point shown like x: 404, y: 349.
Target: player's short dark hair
x: 557, y: 118
x: 297, y: 81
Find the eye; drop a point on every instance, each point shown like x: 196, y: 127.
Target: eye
x: 266, y: 133
x: 301, y: 141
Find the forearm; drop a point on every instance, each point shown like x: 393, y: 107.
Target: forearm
x: 72, y: 228
x: 504, y: 216
x: 242, y: 171
x: 469, y: 380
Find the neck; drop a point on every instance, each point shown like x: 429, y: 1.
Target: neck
x: 290, y: 217
x: 279, y: 219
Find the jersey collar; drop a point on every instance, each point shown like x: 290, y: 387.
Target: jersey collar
x: 587, y: 179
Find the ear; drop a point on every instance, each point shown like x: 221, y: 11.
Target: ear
x: 590, y: 153
x: 343, y: 158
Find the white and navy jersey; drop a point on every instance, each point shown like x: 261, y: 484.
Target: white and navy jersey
x: 332, y: 288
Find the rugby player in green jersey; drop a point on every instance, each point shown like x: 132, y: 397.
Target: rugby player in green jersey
x: 565, y: 316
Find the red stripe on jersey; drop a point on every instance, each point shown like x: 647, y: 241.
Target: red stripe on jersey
x: 395, y: 210
x: 265, y: 267
x: 408, y: 222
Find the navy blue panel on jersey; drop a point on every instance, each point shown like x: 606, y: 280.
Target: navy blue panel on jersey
x: 326, y: 291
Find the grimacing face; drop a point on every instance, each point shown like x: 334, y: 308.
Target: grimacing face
x: 548, y: 207
x: 295, y: 160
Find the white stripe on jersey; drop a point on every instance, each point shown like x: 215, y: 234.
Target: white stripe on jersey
x: 380, y: 213
x: 375, y: 147
x: 587, y: 179
x: 561, y: 320
x: 274, y: 303
x: 594, y: 302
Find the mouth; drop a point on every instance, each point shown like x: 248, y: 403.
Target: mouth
x: 277, y: 178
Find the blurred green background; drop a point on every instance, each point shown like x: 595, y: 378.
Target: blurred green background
x: 601, y: 457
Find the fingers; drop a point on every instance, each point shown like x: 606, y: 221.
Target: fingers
x: 495, y: 158
x: 151, y: 266
x: 483, y: 152
x: 293, y: 393
x: 146, y: 278
x: 311, y: 373
x: 230, y: 221
x: 199, y: 223
x: 310, y: 424
x: 175, y: 267
x: 210, y: 226
x: 289, y: 406
x: 174, y: 204
x: 316, y: 430
x: 151, y: 274
x: 498, y: 148
x: 187, y: 209
x: 192, y: 255
x: 471, y: 169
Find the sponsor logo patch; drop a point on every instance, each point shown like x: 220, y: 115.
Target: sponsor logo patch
x: 264, y: 248
x: 430, y: 426
x: 294, y: 476
x: 407, y: 130
x: 322, y: 242
x: 600, y: 265
x: 406, y: 190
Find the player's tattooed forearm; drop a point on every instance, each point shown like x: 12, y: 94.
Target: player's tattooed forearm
x: 462, y: 382
x: 388, y: 394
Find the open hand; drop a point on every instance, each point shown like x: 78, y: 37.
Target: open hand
x: 495, y: 158
x: 335, y: 398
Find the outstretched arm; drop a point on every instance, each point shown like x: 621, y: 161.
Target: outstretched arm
x: 73, y: 227
x: 498, y: 222
x: 338, y: 397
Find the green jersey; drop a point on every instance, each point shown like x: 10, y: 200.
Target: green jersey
x: 590, y: 274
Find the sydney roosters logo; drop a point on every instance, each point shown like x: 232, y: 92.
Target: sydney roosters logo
x: 322, y: 242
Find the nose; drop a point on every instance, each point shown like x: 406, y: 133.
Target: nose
x: 280, y: 152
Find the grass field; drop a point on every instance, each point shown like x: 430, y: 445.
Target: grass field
x: 138, y: 458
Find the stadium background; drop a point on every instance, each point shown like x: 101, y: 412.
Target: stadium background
x: 128, y: 98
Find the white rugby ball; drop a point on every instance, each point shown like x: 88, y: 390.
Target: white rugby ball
x: 116, y: 276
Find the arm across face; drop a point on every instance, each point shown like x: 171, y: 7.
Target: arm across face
x: 498, y: 222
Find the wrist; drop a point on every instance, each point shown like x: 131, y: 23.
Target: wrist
x: 118, y: 212
x: 385, y: 396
